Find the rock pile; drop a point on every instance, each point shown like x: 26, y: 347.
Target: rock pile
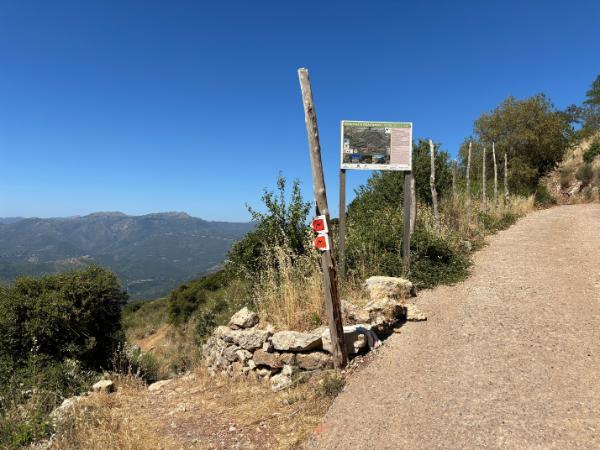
x: 243, y: 348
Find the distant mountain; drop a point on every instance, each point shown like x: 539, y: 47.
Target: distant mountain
x: 151, y: 254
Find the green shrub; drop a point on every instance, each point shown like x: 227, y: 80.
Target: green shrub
x: 74, y: 315
x: 542, y: 197
x: 332, y: 385
x: 592, y: 152
x: 585, y: 173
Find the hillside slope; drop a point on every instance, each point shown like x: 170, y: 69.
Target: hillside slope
x: 577, y: 178
x: 151, y: 254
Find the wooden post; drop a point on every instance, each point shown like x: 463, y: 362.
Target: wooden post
x: 330, y: 284
x: 469, y: 186
x: 342, y: 224
x: 406, y: 224
x: 453, y: 181
x: 505, y: 177
x: 495, y: 176
x: 483, y: 177
x: 436, y: 215
x: 413, y: 204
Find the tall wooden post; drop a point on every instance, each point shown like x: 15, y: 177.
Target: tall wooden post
x: 495, y: 176
x: 413, y: 204
x: 406, y: 223
x: 469, y: 186
x: 330, y: 283
x: 483, y: 178
x: 342, y: 224
x: 436, y: 215
x: 505, y: 177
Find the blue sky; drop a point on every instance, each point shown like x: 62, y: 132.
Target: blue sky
x: 194, y: 106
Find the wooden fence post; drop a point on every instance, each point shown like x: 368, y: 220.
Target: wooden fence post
x: 469, y: 186
x: 505, y: 177
x: 342, y: 224
x: 495, y: 176
x: 483, y: 177
x: 436, y: 215
x: 406, y: 223
x: 330, y: 283
x: 413, y: 204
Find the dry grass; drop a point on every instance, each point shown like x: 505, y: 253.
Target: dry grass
x: 289, y: 291
x: 195, y: 411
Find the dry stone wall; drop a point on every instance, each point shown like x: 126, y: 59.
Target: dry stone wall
x: 244, y: 348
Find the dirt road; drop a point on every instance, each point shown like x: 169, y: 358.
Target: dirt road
x: 509, y: 358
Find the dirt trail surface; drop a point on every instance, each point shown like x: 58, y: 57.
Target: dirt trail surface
x: 508, y: 358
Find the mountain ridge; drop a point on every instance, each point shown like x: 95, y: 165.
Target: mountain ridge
x: 151, y: 253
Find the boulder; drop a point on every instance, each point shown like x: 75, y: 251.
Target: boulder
x: 244, y: 318
x: 243, y: 355
x: 314, y: 361
x: 355, y: 338
x: 158, y: 385
x: 414, y: 314
x: 106, y: 386
x: 352, y: 314
x: 384, y: 313
x: 273, y: 360
x: 268, y: 346
x: 379, y: 287
x: 296, y: 341
x: 249, y: 339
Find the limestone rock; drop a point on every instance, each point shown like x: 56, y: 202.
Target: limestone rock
x: 379, y: 287
x: 280, y: 381
x: 158, y: 385
x: 354, y: 337
x: 314, y: 361
x: 249, y: 339
x: 414, y: 314
x: 244, y: 318
x: 274, y: 360
x: 243, y: 355
x: 296, y: 341
x: 268, y: 346
x: 384, y: 313
x: 352, y: 314
x: 104, y: 386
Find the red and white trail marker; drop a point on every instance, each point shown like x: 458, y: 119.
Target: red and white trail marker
x: 319, y: 225
x: 322, y: 242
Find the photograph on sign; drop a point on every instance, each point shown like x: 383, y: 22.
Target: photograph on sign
x: 376, y: 145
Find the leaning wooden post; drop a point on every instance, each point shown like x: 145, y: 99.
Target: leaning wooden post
x: 505, y: 177
x: 483, y: 183
x: 436, y: 215
x: 406, y: 223
x: 469, y: 185
x: 330, y: 284
x: 342, y: 224
x: 495, y: 176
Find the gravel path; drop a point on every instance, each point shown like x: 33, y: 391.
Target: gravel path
x: 509, y: 358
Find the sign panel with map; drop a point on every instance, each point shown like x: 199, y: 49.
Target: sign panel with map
x: 376, y: 145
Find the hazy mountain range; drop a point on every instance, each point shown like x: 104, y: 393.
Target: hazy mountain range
x: 151, y: 254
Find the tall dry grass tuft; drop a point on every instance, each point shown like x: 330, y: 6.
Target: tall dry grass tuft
x: 288, y: 292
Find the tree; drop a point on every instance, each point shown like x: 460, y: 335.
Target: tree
x: 532, y: 132
x: 282, y: 224
x: 591, y: 108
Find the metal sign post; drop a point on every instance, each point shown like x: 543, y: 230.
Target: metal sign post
x: 330, y: 284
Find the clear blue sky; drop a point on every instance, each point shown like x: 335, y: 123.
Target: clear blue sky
x: 144, y: 106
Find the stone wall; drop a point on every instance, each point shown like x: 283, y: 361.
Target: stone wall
x: 244, y: 348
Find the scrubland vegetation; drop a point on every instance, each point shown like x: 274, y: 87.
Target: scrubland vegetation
x: 59, y: 333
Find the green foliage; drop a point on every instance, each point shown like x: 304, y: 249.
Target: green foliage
x: 591, y: 109
x: 52, y: 330
x: 73, y: 315
x: 532, y: 132
x: 282, y: 224
x: 374, y: 240
x: 542, y: 197
x: 592, y: 152
x: 585, y: 173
